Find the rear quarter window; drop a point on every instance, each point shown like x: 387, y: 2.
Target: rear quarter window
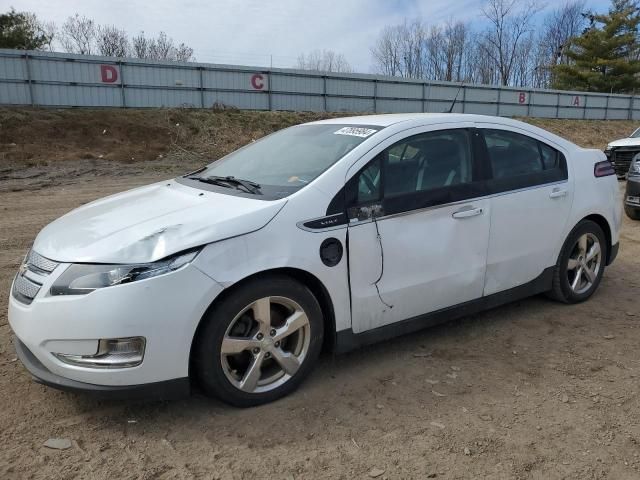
x: 519, y: 161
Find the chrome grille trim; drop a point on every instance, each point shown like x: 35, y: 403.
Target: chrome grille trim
x: 32, y: 274
x: 25, y: 289
x: 40, y: 263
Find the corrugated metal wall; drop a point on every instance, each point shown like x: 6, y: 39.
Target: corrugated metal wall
x: 66, y: 80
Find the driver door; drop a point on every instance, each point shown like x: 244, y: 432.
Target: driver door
x: 419, y: 228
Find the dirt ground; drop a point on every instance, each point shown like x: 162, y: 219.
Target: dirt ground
x: 534, y: 389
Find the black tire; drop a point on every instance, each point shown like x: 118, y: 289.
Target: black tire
x: 632, y: 213
x: 561, y: 288
x: 208, y: 344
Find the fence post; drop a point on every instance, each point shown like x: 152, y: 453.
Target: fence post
x: 324, y: 92
x: 29, y: 81
x: 375, y: 95
x: 122, y: 95
x: 201, y: 86
x: 499, y: 100
x: 606, y: 109
x: 270, y: 88
x: 464, y: 97
x: 557, y: 105
x: 424, y: 97
x: 529, y: 97
x: 632, y: 102
x: 584, y: 108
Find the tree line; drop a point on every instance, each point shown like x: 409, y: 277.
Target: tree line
x: 569, y: 48
x: 82, y: 35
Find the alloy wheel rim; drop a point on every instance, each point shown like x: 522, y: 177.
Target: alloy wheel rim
x: 265, y: 344
x: 584, y: 263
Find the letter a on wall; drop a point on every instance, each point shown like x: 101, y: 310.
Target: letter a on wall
x: 576, y: 101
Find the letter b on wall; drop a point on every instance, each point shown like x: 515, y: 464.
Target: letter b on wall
x: 108, y: 74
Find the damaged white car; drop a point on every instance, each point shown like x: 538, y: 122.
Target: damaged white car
x: 328, y: 235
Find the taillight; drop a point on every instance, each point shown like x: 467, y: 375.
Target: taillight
x: 603, y: 169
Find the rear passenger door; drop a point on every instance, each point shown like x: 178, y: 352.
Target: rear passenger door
x: 530, y: 196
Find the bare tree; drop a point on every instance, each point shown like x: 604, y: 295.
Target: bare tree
x: 560, y: 26
x: 112, y: 42
x: 140, y: 46
x: 386, y: 52
x: 523, y: 64
x: 455, y: 36
x: 78, y: 35
x: 324, y: 61
x: 434, y: 54
x: 413, y: 37
x: 50, y: 30
x: 160, y: 48
x: 485, y: 67
x: 510, y: 22
x: 184, y: 53
x: 401, y: 50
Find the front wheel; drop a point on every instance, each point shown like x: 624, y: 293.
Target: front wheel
x: 581, y: 264
x: 260, y: 342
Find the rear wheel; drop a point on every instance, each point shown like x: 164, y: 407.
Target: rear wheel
x: 260, y: 342
x: 581, y: 264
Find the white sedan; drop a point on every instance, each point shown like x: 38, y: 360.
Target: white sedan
x: 328, y: 235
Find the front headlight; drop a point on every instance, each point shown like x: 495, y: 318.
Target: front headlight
x: 80, y: 279
x: 634, y: 168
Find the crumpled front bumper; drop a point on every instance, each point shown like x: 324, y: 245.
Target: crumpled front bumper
x: 165, y: 310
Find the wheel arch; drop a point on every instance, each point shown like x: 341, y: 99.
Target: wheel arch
x: 312, y: 282
x: 602, y: 222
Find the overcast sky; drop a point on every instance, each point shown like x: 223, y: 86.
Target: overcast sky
x: 249, y: 31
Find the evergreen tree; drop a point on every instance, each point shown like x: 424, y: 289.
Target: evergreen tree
x: 22, y: 31
x: 605, y: 57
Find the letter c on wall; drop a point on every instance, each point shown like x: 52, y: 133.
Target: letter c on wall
x: 257, y: 81
x: 108, y: 73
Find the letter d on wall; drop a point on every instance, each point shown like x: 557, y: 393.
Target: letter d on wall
x: 108, y: 73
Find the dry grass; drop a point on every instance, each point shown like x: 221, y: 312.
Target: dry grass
x: 44, y: 136
x: 587, y: 133
x: 41, y: 136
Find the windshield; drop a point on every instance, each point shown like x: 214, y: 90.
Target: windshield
x: 635, y: 134
x: 286, y: 161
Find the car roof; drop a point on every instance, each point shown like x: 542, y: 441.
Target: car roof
x: 419, y: 119
x: 386, y: 120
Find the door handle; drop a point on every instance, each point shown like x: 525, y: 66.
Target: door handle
x: 467, y: 212
x: 557, y: 193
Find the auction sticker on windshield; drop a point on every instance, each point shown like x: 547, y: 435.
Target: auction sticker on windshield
x: 355, y: 131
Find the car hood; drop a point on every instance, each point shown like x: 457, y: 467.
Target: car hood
x: 150, y: 223
x: 625, y: 142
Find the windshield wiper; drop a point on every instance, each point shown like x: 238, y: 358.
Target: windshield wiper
x: 230, y: 181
